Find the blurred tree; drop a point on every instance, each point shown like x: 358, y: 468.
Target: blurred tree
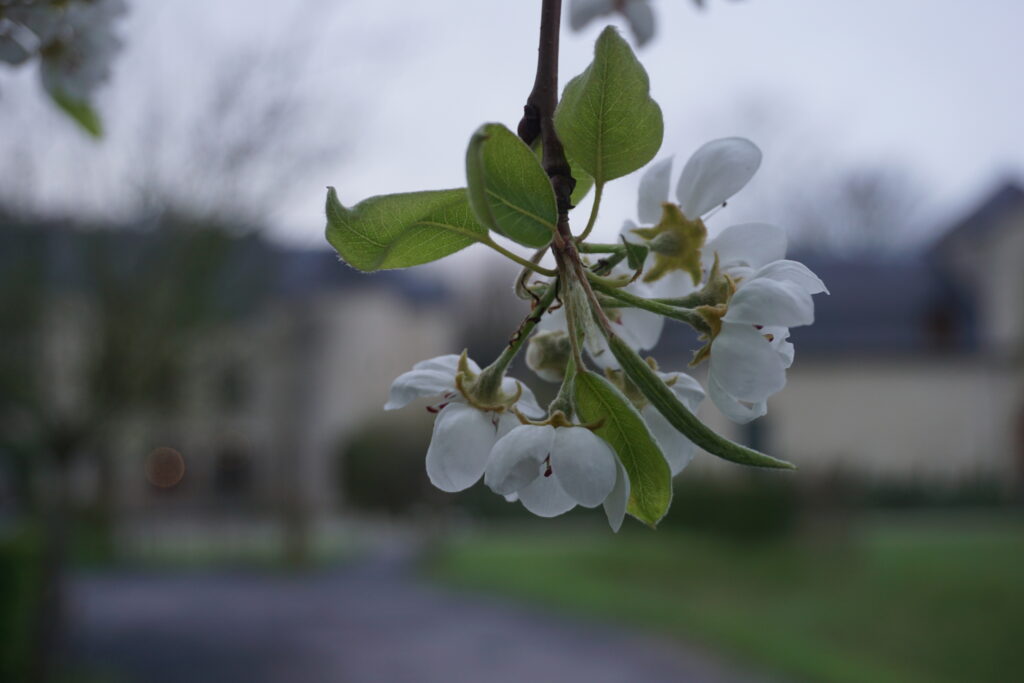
x: 867, y: 212
x: 96, y: 319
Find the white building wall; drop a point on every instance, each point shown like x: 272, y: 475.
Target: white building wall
x: 929, y: 420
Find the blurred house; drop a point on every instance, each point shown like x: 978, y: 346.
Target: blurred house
x: 913, y: 371
x: 251, y: 402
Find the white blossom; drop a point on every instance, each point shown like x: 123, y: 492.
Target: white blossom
x: 750, y: 353
x: 677, y: 449
x: 74, y: 40
x: 640, y: 329
x: 463, y: 433
x: 552, y: 469
x: 638, y: 14
x: 714, y: 173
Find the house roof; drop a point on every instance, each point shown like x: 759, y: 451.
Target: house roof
x: 897, y: 306
x: 247, y: 271
x: 1007, y: 200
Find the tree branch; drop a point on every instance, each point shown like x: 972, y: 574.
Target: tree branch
x: 539, y: 112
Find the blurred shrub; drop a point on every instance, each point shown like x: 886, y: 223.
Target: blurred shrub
x: 754, y: 506
x: 381, y: 468
x: 980, y: 493
x: 19, y: 602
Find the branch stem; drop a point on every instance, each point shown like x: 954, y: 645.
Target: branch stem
x: 686, y: 315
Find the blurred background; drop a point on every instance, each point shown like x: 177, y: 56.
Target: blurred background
x: 197, y: 481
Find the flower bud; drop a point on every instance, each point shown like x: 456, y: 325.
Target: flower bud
x: 548, y: 354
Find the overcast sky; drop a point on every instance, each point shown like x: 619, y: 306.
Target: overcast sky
x: 932, y: 85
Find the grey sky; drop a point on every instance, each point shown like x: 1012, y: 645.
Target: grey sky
x: 930, y: 84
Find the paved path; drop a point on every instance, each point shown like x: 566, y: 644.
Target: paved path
x: 371, y: 623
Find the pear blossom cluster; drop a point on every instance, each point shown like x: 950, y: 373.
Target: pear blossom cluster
x: 743, y: 296
x: 74, y: 41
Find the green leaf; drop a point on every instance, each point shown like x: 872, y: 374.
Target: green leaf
x: 509, y: 191
x: 669, y: 405
x: 584, y: 181
x: 650, y: 479
x: 81, y: 111
x: 607, y: 120
x: 636, y: 254
x: 401, y: 230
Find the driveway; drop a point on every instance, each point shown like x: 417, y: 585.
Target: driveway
x: 371, y: 622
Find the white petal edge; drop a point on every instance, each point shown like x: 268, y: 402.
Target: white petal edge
x: 527, y: 402
x: 677, y: 449
x: 641, y: 20
x: 686, y: 388
x: 516, y: 458
x: 460, y: 446
x: 761, y: 301
x: 615, y: 503
x: 584, y: 465
x: 715, y: 172
x: 582, y: 12
x: 744, y: 363
x: 732, y: 408
x: 653, y: 192
x: 421, y: 383
x: 746, y: 244
x: 545, y: 497
x: 784, y: 270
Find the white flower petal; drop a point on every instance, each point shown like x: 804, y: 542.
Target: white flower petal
x: 745, y: 365
x: 715, y: 172
x: 641, y: 19
x: 506, y: 423
x: 459, y: 447
x: 527, y: 402
x: 584, y: 465
x: 615, y: 503
x: 545, y: 497
x: 685, y: 387
x: 785, y: 270
x: 516, y: 459
x: 640, y: 329
x: 761, y: 301
x: 674, y: 283
x: 750, y: 245
x: 415, y: 384
x: 732, y: 408
x: 653, y: 192
x: 627, y: 233
x: 553, y: 320
x: 582, y: 12
x: 677, y: 449
x: 448, y: 363
x: 779, y: 340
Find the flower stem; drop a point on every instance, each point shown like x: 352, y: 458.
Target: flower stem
x: 489, y: 380
x: 540, y: 270
x: 686, y: 315
x: 598, y: 191
x: 564, y: 401
x: 591, y: 248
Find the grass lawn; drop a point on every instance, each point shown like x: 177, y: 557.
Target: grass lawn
x: 904, y: 601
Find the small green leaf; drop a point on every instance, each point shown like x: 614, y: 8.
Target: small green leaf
x: 401, y: 230
x: 669, y: 405
x: 636, y: 254
x: 508, y: 189
x: 650, y: 479
x: 607, y: 120
x: 81, y: 111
